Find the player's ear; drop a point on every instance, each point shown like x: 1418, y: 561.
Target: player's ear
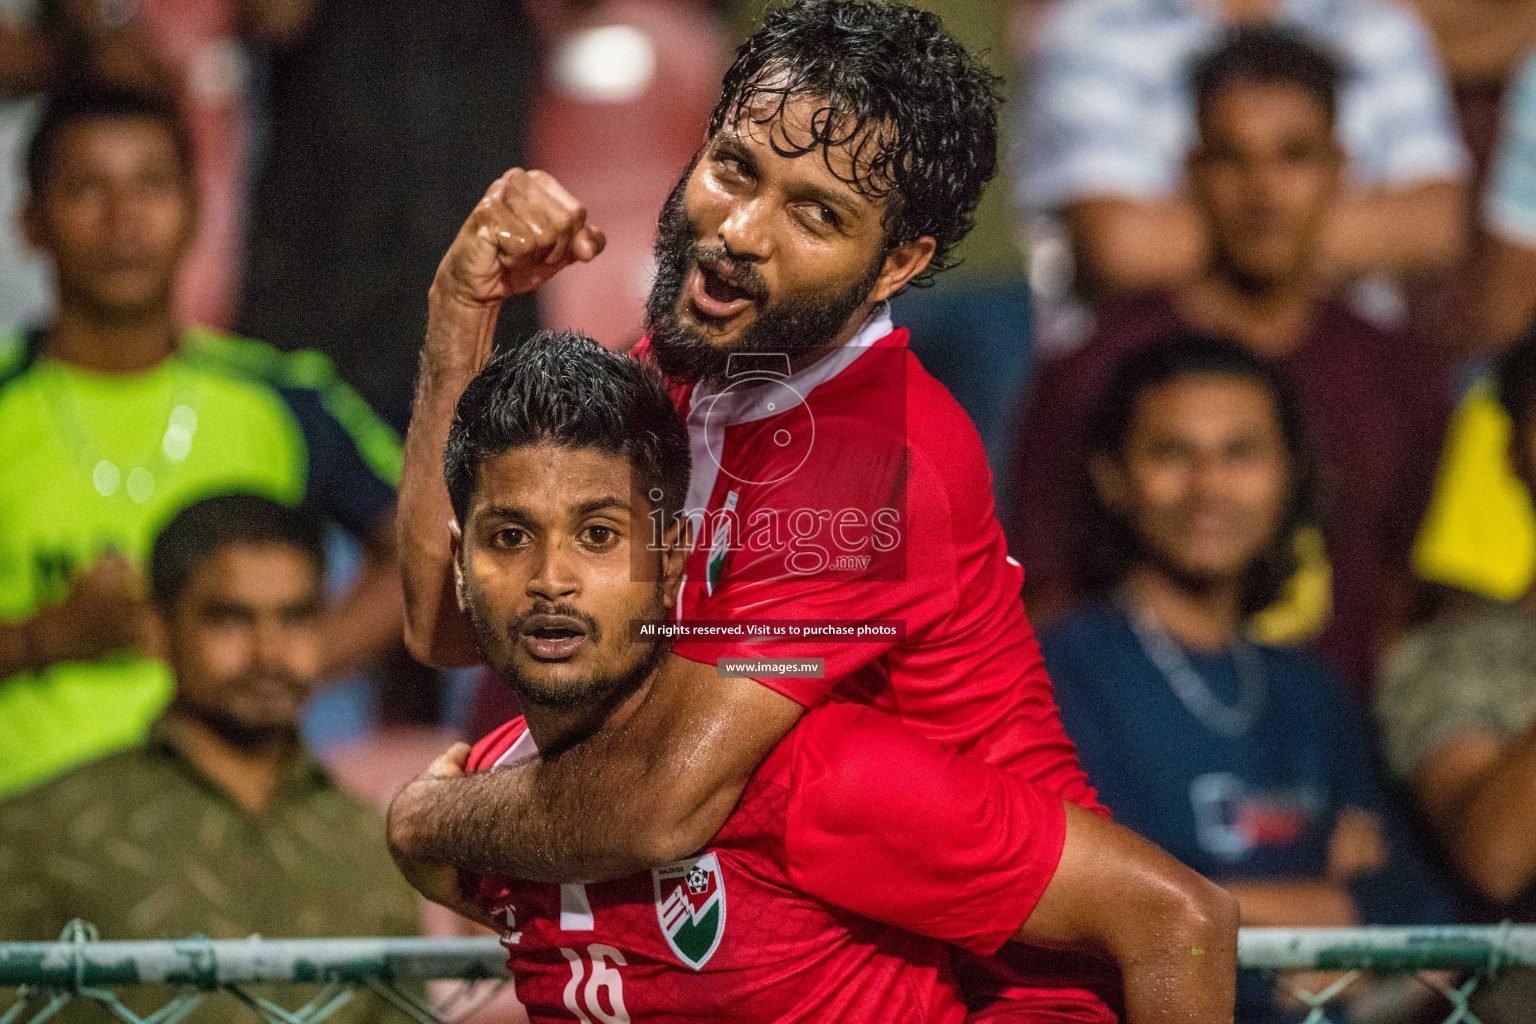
x: 456, y: 548
x: 902, y: 264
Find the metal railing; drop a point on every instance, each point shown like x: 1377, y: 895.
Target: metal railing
x: 1450, y: 962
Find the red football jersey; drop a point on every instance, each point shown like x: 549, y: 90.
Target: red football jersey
x: 856, y: 490
x: 851, y: 815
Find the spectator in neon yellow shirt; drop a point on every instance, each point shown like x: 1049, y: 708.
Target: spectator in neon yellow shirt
x: 115, y: 418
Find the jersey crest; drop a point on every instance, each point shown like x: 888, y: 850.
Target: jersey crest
x: 690, y: 907
x: 721, y: 543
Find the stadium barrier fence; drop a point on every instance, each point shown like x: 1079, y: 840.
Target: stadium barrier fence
x: 43, y: 977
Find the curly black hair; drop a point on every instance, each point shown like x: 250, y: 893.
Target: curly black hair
x: 918, y: 108
x: 561, y: 387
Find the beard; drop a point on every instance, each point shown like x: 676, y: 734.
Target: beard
x: 600, y: 687
x: 794, y: 325
x: 237, y: 730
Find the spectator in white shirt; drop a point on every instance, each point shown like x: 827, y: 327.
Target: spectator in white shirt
x: 1109, y: 119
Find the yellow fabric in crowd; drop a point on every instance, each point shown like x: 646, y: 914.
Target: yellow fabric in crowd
x: 1480, y: 532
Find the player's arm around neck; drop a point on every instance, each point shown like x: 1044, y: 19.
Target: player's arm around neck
x: 1172, y: 933
x: 640, y: 792
x: 524, y: 231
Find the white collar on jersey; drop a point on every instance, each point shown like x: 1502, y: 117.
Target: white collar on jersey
x: 521, y: 749
x: 709, y: 413
x: 731, y: 405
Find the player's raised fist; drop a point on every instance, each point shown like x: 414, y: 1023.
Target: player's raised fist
x: 525, y: 230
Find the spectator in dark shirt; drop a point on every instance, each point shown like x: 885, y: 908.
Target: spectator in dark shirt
x: 221, y: 823
x: 1248, y: 762
x: 1264, y: 176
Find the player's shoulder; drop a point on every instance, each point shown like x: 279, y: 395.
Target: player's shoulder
x: 844, y: 739
x: 494, y: 744
x: 643, y: 353
x: 254, y: 360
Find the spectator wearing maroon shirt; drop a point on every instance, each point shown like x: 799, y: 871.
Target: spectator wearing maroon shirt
x: 1265, y: 172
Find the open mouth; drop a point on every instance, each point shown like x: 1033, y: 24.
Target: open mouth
x: 715, y: 296
x: 553, y: 637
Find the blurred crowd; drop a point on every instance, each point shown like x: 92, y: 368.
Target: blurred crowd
x: 1245, y: 324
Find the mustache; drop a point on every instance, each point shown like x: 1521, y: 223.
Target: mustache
x: 733, y: 271
x: 594, y: 631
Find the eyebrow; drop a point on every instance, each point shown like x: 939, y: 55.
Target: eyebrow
x: 847, y: 201
x: 586, y: 508
x: 521, y: 514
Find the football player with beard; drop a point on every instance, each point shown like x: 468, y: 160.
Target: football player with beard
x: 835, y: 482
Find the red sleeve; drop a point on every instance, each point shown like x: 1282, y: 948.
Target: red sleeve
x: 910, y: 583
x: 493, y: 744
x: 890, y: 825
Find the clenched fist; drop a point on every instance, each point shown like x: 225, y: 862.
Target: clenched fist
x: 525, y: 230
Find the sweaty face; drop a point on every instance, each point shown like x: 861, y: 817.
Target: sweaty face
x: 760, y: 252
x: 546, y: 575
x: 244, y: 641
x: 1264, y: 174
x: 1204, y: 477
x: 115, y: 215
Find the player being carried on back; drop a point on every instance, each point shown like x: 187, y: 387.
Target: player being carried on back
x: 561, y: 458
x: 833, y: 478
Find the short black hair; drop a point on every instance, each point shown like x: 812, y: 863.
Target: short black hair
x: 92, y: 102
x: 206, y: 527
x: 928, y: 104
x: 1516, y: 380
x: 563, y: 388
x: 1268, y: 55
x: 1109, y: 545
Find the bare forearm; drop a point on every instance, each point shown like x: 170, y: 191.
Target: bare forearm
x: 1493, y: 832
x: 1172, y: 933
x: 1400, y: 231
x: 1508, y: 292
x: 43, y: 640
x: 654, y: 784
x: 1125, y: 245
x: 459, y: 342
x: 1176, y: 947
x: 21, y: 648
x: 438, y: 881
x: 532, y: 821
x: 366, y: 620
x: 1480, y: 40
x: 1182, y: 977
x: 1303, y: 903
